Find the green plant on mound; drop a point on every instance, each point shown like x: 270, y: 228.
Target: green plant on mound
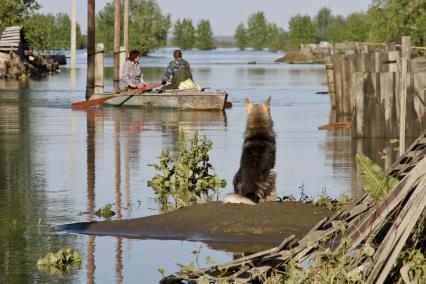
x: 186, y: 177
x: 332, y: 203
x: 374, y: 180
x: 60, y: 262
x: 326, y: 267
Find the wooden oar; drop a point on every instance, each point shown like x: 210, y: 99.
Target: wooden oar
x: 92, y: 103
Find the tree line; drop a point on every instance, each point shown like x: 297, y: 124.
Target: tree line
x: 186, y: 36
x: 385, y: 20
x: 149, y: 28
x: 43, y: 31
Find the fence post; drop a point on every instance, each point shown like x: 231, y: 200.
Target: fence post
x: 123, y: 55
x: 405, y: 51
x: 90, y: 79
x: 117, y: 30
x: 99, y: 69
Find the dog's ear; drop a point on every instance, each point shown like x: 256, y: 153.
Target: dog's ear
x: 267, y: 104
x: 248, y: 104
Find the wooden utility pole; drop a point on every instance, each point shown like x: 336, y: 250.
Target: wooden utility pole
x: 405, y: 51
x: 73, y: 32
x: 90, y: 84
x: 126, y: 26
x: 117, y: 28
x: 99, y: 69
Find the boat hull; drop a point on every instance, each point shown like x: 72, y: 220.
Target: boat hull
x: 181, y: 100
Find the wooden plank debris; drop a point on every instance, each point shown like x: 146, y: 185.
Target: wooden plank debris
x: 405, y: 203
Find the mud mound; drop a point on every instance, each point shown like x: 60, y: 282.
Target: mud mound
x: 234, y: 227
x: 302, y: 58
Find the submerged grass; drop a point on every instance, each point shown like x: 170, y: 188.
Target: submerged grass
x: 185, y: 177
x: 60, y: 262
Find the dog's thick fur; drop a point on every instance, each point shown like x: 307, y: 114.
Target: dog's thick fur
x: 255, y: 180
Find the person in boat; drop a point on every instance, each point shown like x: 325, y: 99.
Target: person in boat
x: 178, y: 74
x: 131, y: 74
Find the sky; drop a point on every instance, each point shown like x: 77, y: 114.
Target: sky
x: 224, y: 15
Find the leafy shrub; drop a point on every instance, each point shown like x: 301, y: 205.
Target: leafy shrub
x: 413, y: 266
x: 374, y: 180
x: 186, y: 176
x: 332, y: 203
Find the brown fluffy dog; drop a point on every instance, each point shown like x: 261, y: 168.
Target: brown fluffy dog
x: 255, y: 180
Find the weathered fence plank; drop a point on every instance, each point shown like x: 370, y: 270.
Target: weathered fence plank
x: 389, y: 102
x: 337, y: 62
x: 330, y: 81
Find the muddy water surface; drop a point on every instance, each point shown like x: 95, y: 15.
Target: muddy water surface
x: 58, y: 166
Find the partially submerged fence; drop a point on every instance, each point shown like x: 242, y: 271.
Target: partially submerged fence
x: 374, y: 88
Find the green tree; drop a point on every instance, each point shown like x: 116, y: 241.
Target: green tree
x: 322, y: 20
x: 48, y: 31
x: 391, y: 19
x: 356, y: 27
x: 105, y: 26
x: 257, y: 30
x: 336, y: 29
x: 184, y: 34
x: 63, y: 29
x: 301, y: 30
x: 148, y: 27
x: 41, y: 32
x: 276, y: 38
x: 204, y: 34
x: 81, y: 39
x: 241, y: 36
x: 15, y: 12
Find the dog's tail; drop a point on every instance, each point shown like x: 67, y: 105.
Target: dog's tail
x: 236, y: 198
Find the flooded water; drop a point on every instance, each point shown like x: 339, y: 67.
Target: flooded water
x: 58, y: 166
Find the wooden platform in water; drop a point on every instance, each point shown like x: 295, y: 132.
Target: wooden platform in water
x: 172, y: 100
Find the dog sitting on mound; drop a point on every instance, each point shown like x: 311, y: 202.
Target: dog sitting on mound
x: 255, y: 180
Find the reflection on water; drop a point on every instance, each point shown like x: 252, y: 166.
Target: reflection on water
x: 61, y: 165
x: 90, y: 258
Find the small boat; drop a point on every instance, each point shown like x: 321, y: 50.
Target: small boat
x: 193, y: 100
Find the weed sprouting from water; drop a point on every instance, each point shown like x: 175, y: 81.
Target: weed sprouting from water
x: 186, y: 177
x: 60, y: 262
x: 105, y: 212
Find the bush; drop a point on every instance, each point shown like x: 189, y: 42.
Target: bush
x: 185, y: 177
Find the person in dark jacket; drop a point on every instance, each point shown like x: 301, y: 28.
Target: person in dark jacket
x: 177, y: 72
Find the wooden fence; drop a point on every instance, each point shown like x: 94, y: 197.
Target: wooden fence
x: 367, y: 88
